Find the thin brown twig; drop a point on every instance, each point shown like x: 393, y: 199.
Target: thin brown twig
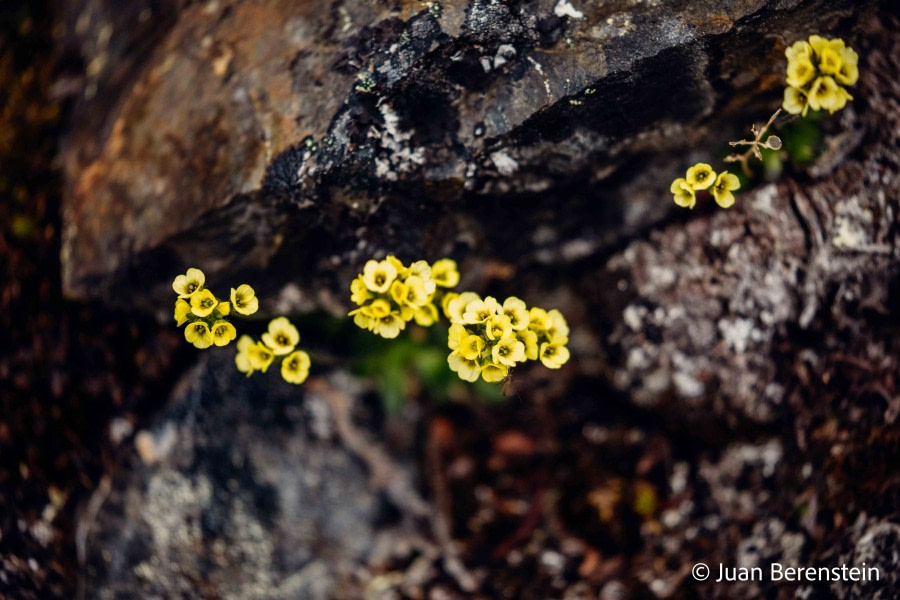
x: 773, y: 142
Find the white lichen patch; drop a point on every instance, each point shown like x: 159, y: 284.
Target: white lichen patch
x: 564, y: 8
x: 506, y: 164
x: 401, y: 157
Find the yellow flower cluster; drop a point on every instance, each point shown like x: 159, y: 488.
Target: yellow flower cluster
x: 280, y: 340
x: 702, y: 177
x: 816, y: 71
x: 207, y: 324
x: 390, y: 294
x: 205, y: 315
x: 488, y: 338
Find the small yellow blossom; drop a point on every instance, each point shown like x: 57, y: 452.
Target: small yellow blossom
x: 530, y: 341
x: 700, y: 176
x: 260, y: 356
x: 827, y: 95
x: 445, y: 273
x: 421, y: 269
x: 479, y: 311
x: 379, y: 308
x: 683, y: 193
x: 223, y: 332
x: 470, y: 347
x: 725, y: 184
x: 224, y: 308
x: 242, y: 359
x: 558, y: 330
x: 390, y: 326
x: 498, y: 327
x: 359, y: 293
x: 849, y: 71
x: 517, y: 311
x: 494, y: 373
x: 800, y: 72
x: 188, y: 284
x: 468, y: 370
x: 198, y: 334
x: 182, y: 312
x: 281, y: 336
x: 417, y: 291
x: 795, y: 101
x: 426, y: 316
x: 244, y: 300
x: 295, y: 367
x: 456, y: 307
x: 401, y: 269
x: 799, y: 49
x: 508, y: 351
x: 379, y: 275
x: 203, y: 303
x: 553, y: 356
x: 538, y: 320
x: 456, y: 336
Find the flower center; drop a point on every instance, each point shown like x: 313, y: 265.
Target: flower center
x: 191, y: 287
x: 282, y: 340
x: 379, y: 279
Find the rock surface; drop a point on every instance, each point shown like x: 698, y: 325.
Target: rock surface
x: 284, y: 138
x: 239, y: 489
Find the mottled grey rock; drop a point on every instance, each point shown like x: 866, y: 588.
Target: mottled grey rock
x: 239, y: 489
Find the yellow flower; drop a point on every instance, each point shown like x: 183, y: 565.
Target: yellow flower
x: 799, y: 49
x: 420, y: 268
x: 558, y: 331
x: 182, y: 310
x: 402, y: 270
x: 244, y: 300
x: 242, y: 359
x: 684, y: 194
x: 795, y: 101
x: 203, y: 303
x: 470, y: 347
x: 538, y: 320
x: 517, y: 312
x: 378, y: 308
x: 508, y: 351
x: 198, y: 334
x: 363, y: 319
x: 281, y: 337
x: 378, y: 276
x: 223, y: 332
x: 497, y: 327
x: 468, y: 370
x: 390, y: 325
x: 554, y: 355
x: 493, y: 373
x: 800, y: 72
x: 359, y: 293
x: 827, y: 95
x: 445, y: 273
x: 456, y: 335
x: 830, y: 60
x: 224, y: 308
x: 849, y: 71
x: 700, y: 176
x: 295, y: 367
x: 426, y: 316
x: 530, y: 340
x: 189, y: 283
x: 456, y: 306
x: 821, y: 45
x: 446, y: 300
x: 260, y: 356
x: 725, y: 184
x: 479, y: 311
x: 417, y: 291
